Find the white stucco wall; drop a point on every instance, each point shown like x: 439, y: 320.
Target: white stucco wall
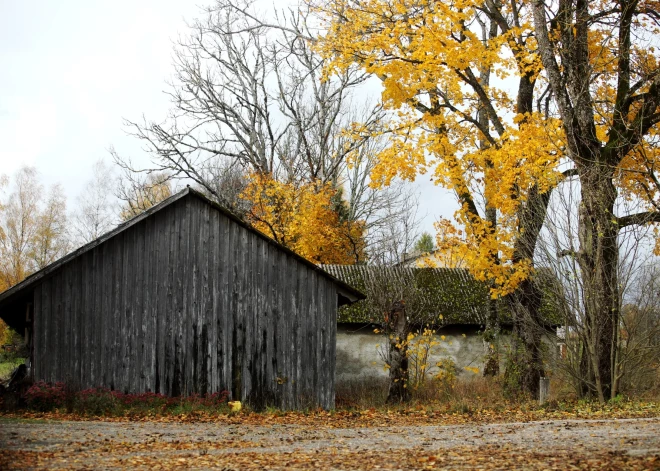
x: 360, y: 351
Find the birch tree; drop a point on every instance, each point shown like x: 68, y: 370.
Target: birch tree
x: 33, y: 227
x: 96, y: 211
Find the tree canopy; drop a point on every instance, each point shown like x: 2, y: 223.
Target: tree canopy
x: 500, y: 102
x: 442, y: 66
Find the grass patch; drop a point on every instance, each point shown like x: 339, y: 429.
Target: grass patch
x: 8, y: 366
x: 465, y: 400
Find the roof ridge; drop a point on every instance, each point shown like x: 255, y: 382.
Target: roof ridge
x: 35, y: 277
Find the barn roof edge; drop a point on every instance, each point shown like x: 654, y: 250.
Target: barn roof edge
x: 347, y: 292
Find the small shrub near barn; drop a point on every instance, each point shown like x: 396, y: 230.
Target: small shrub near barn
x: 46, y: 397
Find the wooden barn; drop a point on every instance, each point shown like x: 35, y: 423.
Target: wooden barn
x: 184, y: 298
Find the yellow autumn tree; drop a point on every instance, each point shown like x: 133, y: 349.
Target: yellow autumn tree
x: 490, y: 96
x: 460, y: 79
x: 437, y: 62
x: 449, y: 251
x: 33, y: 231
x: 305, y: 218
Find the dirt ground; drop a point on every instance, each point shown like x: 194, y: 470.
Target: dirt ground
x: 560, y: 444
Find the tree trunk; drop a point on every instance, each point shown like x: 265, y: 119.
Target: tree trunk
x: 525, y: 303
x: 527, y: 363
x: 492, y: 333
x: 398, y: 354
x: 491, y: 341
x: 585, y: 372
x: 599, y: 257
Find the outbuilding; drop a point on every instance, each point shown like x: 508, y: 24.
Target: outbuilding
x: 184, y: 298
x: 447, y: 301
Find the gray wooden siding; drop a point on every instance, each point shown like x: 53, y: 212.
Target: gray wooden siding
x: 187, y: 301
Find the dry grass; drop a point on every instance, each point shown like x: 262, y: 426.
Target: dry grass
x: 466, y: 395
x: 361, y: 394
x: 461, y: 395
x: 8, y: 366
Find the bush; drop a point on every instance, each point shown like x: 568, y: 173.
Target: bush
x: 96, y: 402
x: 144, y: 402
x: 446, y: 391
x: 44, y: 397
x: 8, y: 364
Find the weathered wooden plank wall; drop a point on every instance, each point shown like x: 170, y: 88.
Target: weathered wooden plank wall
x: 187, y: 301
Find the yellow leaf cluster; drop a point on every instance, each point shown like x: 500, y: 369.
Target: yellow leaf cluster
x: 303, y: 218
x: 477, y: 245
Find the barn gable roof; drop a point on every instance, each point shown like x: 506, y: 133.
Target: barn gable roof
x: 348, y: 294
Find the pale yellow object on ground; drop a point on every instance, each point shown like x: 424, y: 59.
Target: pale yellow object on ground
x: 235, y: 406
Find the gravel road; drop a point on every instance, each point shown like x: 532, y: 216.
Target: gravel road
x: 561, y: 444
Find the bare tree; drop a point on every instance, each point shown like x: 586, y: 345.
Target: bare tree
x: 638, y: 351
x: 396, y: 298
x: 249, y: 96
x: 568, y: 294
x: 139, y: 192
x: 607, y: 98
x: 394, y: 227
x: 391, y: 214
x: 96, y: 211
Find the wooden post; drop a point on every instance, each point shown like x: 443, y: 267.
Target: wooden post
x: 544, y: 390
x: 28, y: 308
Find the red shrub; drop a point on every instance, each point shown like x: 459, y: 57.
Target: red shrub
x: 102, y: 401
x: 44, y: 397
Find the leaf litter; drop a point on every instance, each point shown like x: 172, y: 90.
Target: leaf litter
x: 352, y: 440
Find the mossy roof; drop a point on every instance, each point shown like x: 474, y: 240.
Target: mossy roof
x: 449, y: 295
x: 448, y: 292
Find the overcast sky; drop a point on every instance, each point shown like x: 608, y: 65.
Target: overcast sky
x: 72, y: 69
